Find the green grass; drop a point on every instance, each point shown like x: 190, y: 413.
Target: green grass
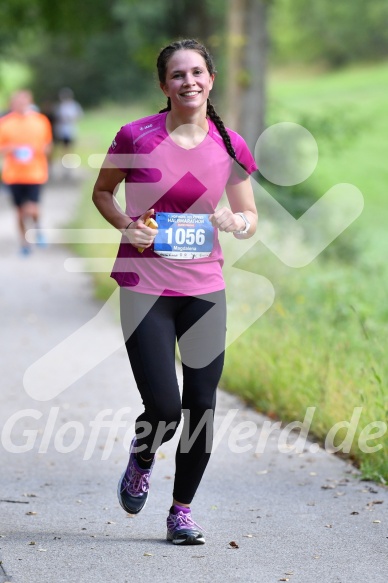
x: 323, y: 342
x: 98, y: 127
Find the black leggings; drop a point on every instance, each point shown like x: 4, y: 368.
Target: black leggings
x: 151, y: 325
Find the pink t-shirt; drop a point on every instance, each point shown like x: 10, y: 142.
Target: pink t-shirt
x: 169, y: 178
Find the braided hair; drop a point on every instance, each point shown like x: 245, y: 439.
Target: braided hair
x: 161, y: 64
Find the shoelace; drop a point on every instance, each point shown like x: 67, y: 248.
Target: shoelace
x: 183, y: 520
x: 137, y: 482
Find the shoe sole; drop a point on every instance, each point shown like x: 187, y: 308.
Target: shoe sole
x: 119, y: 497
x: 187, y: 541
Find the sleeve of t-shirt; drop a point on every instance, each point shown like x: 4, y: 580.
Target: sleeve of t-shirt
x: 244, y: 156
x: 3, y: 140
x: 48, y: 132
x: 121, y: 149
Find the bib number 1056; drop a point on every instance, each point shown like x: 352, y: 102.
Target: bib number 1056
x: 185, y: 236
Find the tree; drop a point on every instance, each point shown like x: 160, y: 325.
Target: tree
x: 255, y: 60
x: 247, y: 41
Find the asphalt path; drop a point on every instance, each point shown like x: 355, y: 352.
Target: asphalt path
x: 270, y: 513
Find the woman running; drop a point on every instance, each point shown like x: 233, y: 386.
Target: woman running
x: 176, y: 165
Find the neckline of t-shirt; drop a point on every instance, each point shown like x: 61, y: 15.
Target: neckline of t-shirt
x: 200, y: 145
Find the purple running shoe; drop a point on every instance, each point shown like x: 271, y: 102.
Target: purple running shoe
x: 181, y: 528
x: 132, y: 490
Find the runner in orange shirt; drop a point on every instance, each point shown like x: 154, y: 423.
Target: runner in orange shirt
x: 25, y: 142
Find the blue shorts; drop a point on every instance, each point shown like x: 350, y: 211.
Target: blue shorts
x: 22, y: 193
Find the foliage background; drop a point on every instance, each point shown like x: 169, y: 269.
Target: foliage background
x: 105, y: 49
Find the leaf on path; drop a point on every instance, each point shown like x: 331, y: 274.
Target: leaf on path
x: 284, y: 579
x: 32, y: 542
x: 214, y: 507
x: 233, y: 545
x: 289, y: 573
x: 354, y: 513
x: 262, y: 472
x: 376, y: 521
x: 110, y: 522
x: 31, y: 513
x: 248, y: 535
x: 148, y: 555
x: 375, y: 502
x: 42, y: 550
x: 198, y: 556
x: 27, y: 495
x: 328, y: 487
x: 328, y: 526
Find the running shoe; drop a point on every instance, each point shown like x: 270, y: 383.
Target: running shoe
x: 181, y: 528
x: 25, y: 250
x: 132, y: 490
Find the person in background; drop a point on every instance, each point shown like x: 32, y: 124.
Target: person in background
x: 25, y: 143
x: 65, y: 116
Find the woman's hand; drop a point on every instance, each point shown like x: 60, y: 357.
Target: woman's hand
x: 138, y: 234
x: 225, y: 220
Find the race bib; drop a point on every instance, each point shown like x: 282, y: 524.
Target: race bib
x: 23, y: 154
x: 183, y: 236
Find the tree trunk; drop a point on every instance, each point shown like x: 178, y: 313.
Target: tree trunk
x: 247, y: 67
x: 256, y: 53
x: 235, y: 41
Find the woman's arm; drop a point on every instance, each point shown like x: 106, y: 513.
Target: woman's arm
x: 136, y: 231
x: 241, y: 200
x: 108, y: 180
